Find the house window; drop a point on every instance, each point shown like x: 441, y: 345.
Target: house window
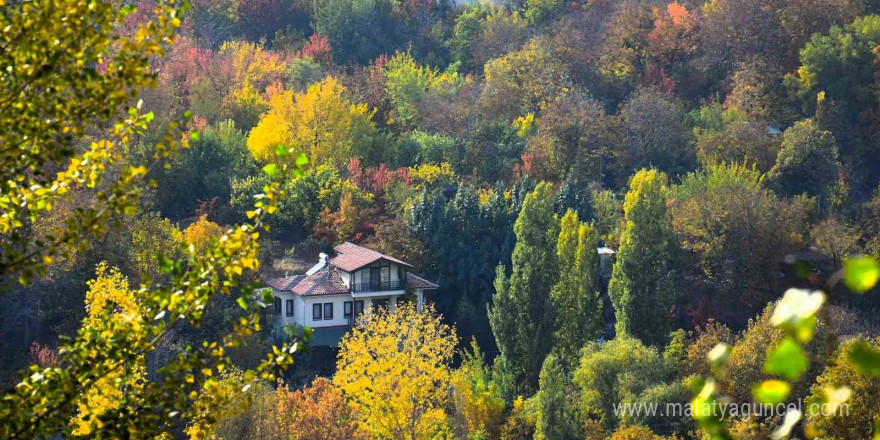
x: 277, y: 305
x: 347, y: 309
x: 358, y: 308
x: 328, y: 311
x: 316, y: 312
x: 290, y: 307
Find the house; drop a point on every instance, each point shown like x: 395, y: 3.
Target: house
x: 334, y: 292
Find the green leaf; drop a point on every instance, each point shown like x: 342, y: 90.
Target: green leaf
x: 787, y: 360
x: 861, y: 273
x: 865, y: 358
x: 771, y: 392
x: 242, y: 302
x: 195, y: 135
x: 270, y: 169
x: 302, y: 159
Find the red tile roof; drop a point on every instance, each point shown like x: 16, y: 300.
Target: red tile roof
x: 417, y: 282
x: 327, y: 280
x: 323, y: 282
x: 351, y: 257
x: 285, y: 283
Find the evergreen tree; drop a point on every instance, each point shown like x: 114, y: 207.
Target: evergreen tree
x: 556, y: 418
x: 521, y: 317
x: 574, y: 194
x: 641, y: 287
x: 463, y: 240
x: 576, y: 295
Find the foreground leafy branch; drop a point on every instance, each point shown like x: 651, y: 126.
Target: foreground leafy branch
x: 796, y: 314
x: 72, y: 70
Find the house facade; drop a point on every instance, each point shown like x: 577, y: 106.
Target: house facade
x: 337, y: 290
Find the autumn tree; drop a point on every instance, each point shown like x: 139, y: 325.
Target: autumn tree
x: 152, y: 235
x: 42, y: 162
x: 322, y: 122
x: 200, y: 234
x: 861, y: 387
x: 622, y: 60
x: 407, y: 84
x: 520, y: 423
x: 109, y: 298
x: 522, y: 81
x: 575, y: 296
x: 246, y: 71
x: 733, y: 31
x: 248, y: 413
x: 317, y: 412
x: 479, y: 407
x: 395, y: 366
x: 655, y: 133
x: 521, y: 312
x: 641, y: 286
x: 739, y: 142
x: 836, y: 238
x: 486, y: 31
x: 573, y: 132
x: 755, y: 344
x: 672, y: 39
x: 733, y: 258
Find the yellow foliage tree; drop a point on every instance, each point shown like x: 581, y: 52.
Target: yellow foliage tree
x: 431, y: 176
x: 477, y: 400
x: 523, y: 82
x: 395, y: 367
x: 152, y: 235
x: 322, y: 122
x: 109, y: 298
x: 199, y: 234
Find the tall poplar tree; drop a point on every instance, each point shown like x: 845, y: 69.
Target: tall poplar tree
x: 521, y: 314
x: 641, y: 287
x: 556, y: 404
x: 575, y: 296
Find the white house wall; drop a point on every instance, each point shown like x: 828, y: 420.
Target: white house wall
x: 299, y: 307
x: 338, y: 310
x: 302, y: 307
x: 285, y: 296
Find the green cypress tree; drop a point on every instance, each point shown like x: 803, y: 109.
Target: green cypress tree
x: 576, y: 295
x: 556, y: 404
x: 520, y: 316
x: 641, y: 287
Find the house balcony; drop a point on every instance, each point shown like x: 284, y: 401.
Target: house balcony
x: 378, y: 286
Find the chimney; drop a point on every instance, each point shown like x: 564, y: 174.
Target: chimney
x: 322, y: 263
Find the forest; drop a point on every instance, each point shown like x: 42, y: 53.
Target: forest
x: 161, y: 159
